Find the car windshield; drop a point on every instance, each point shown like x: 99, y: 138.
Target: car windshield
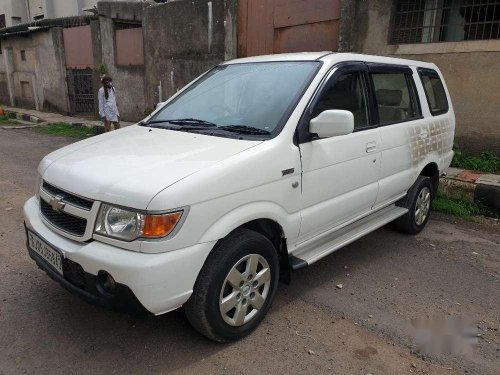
x: 251, y: 98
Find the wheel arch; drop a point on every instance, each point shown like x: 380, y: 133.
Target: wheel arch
x: 431, y: 170
x: 265, y: 219
x: 274, y: 233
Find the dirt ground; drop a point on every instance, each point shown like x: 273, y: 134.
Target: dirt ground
x: 389, y: 280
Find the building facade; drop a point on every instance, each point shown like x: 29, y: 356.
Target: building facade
x: 152, y: 50
x: 148, y: 64
x: 15, y: 12
x: 462, y: 37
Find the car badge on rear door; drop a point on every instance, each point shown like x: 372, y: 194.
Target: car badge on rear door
x: 57, y: 203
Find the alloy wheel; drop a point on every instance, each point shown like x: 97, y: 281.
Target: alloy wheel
x: 422, y: 206
x: 245, y: 290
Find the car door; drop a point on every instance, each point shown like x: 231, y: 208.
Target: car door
x: 403, y: 131
x: 339, y: 174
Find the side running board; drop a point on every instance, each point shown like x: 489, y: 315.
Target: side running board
x: 319, y: 248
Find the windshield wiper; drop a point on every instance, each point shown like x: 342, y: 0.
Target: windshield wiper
x: 244, y: 129
x: 190, y: 122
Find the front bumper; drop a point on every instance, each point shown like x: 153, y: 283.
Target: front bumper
x: 156, y: 283
x: 84, y: 284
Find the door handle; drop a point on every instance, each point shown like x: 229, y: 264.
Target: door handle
x: 371, y: 147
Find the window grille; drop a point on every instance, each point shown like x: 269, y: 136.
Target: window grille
x: 428, y: 21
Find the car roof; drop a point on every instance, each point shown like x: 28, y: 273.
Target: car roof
x: 301, y: 56
x: 330, y: 58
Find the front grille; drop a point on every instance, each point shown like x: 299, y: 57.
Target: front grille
x: 65, y: 222
x: 69, y: 198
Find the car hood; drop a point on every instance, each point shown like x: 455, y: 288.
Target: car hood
x: 130, y: 166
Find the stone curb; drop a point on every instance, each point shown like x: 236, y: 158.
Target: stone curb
x: 9, y: 127
x: 24, y: 117
x: 483, y: 188
x: 40, y: 121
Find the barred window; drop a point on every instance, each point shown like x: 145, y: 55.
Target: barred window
x: 428, y: 21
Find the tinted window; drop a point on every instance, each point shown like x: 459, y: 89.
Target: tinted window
x: 346, y: 93
x: 434, y: 90
x: 396, y: 100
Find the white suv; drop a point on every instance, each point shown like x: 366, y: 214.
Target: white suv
x: 260, y: 166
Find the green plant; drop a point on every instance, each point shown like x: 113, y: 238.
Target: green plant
x: 485, y: 162
x: 456, y: 207
x: 460, y: 206
x: 6, y: 120
x: 148, y: 111
x: 101, y: 69
x: 69, y: 130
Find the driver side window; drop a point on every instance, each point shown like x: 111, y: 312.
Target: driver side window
x: 346, y: 93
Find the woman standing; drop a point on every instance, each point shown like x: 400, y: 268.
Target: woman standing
x: 107, y: 105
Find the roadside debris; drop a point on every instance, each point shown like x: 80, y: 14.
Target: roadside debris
x: 339, y: 286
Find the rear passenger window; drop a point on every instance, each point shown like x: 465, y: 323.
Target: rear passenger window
x: 396, y: 97
x: 434, y: 90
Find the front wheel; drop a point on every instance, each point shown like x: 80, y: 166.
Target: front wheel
x: 235, y: 287
x: 418, y: 202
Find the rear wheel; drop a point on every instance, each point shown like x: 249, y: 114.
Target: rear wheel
x: 418, y: 202
x: 235, y: 287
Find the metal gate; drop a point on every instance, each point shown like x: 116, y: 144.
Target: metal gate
x: 81, y: 91
x: 79, y: 58
x: 277, y: 26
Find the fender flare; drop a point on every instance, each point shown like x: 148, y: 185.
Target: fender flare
x: 241, y: 215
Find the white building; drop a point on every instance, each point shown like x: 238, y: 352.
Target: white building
x: 14, y: 12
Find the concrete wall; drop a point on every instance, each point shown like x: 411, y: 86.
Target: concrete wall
x: 46, y: 8
x: 39, y: 81
x: 128, y: 80
x: 183, y: 39
x: 51, y: 70
x: 471, y: 70
x: 22, y: 72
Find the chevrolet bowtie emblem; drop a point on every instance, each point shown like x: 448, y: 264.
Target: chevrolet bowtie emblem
x: 57, y: 203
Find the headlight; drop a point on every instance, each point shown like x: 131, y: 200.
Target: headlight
x: 129, y: 225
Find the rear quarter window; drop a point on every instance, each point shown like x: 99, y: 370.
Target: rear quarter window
x: 434, y: 91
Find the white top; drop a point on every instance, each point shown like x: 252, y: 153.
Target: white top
x: 108, y: 107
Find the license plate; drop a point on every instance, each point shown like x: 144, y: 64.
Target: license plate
x: 53, y: 257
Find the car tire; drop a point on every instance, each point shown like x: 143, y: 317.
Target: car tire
x: 418, y: 202
x: 235, y: 287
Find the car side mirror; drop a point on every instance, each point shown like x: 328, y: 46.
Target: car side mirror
x: 332, y: 123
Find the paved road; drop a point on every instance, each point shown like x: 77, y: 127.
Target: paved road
x: 450, y: 270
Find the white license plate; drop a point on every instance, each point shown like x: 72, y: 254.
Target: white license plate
x: 53, y: 257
